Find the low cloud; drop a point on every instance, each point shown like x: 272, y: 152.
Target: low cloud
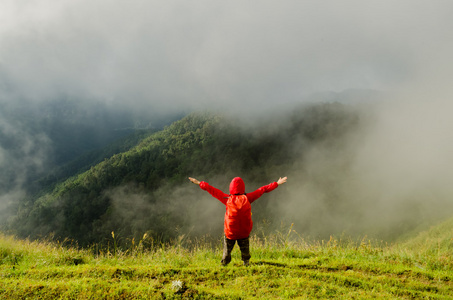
x: 393, y: 174
x: 226, y: 55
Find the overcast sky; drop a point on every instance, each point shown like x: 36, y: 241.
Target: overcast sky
x: 214, y: 53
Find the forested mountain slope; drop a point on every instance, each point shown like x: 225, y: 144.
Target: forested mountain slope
x: 145, y: 190
x: 42, y: 142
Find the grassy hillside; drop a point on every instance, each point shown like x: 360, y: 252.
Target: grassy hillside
x: 436, y: 241
x: 283, y: 266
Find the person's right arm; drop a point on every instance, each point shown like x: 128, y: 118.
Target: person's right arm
x: 265, y: 189
x: 281, y: 180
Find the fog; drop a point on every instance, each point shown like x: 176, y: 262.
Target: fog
x: 253, y: 57
x: 220, y: 55
x: 214, y: 54
x: 393, y: 175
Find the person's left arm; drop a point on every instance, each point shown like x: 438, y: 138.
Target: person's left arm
x: 215, y: 192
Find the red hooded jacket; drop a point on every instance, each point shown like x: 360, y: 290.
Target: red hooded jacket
x: 238, y: 215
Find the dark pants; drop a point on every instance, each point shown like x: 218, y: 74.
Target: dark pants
x: 228, y: 245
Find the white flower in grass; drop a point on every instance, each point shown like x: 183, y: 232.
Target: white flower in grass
x: 177, y: 285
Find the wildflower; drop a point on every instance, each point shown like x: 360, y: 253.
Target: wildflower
x: 178, y: 286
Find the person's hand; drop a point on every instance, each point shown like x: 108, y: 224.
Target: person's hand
x: 282, y: 180
x: 194, y: 180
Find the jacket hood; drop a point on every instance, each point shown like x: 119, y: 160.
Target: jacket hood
x: 237, y: 186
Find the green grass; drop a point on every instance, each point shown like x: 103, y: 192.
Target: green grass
x: 281, y: 268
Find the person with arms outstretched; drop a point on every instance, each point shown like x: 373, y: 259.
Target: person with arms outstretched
x: 238, y: 216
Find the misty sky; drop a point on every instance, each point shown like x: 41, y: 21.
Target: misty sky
x: 216, y: 53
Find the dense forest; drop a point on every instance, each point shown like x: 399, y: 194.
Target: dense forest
x: 144, y: 189
x: 44, y: 142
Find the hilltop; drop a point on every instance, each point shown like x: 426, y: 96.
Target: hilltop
x: 283, y: 266
x: 437, y: 240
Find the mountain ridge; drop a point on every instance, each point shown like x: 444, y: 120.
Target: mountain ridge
x: 200, y: 144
